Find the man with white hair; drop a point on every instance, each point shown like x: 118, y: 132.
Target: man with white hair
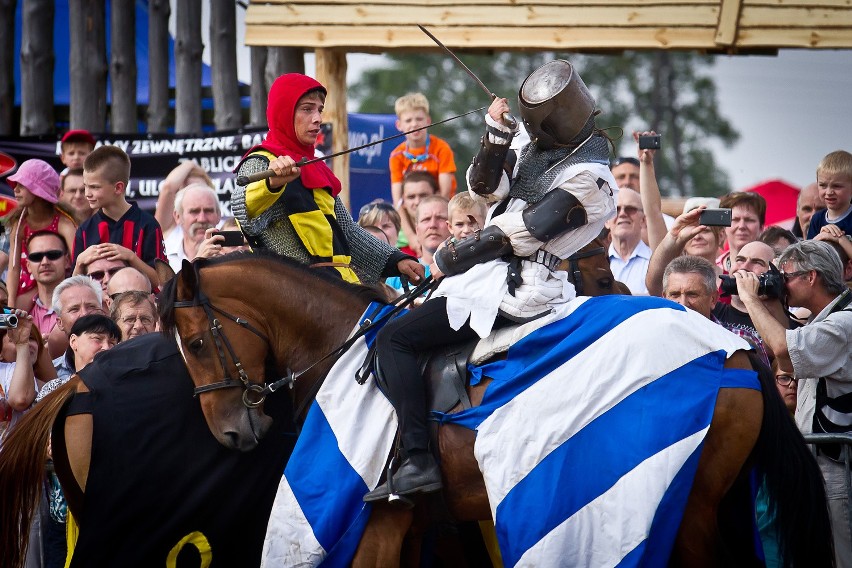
x: 196, y: 212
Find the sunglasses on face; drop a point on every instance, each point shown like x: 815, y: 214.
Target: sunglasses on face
x: 50, y: 254
x: 99, y: 274
x: 790, y: 275
x: 628, y: 210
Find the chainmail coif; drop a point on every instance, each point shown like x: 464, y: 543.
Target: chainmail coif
x: 538, y: 168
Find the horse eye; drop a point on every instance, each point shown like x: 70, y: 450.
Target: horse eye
x: 605, y: 283
x: 197, y: 344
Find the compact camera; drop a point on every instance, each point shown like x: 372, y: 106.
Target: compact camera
x: 770, y: 284
x: 8, y: 320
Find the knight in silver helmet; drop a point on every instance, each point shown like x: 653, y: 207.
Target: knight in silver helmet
x: 543, y: 207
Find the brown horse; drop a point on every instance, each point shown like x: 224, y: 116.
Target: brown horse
x: 269, y: 333
x: 252, y: 320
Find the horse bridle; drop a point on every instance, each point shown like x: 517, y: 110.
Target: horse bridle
x: 254, y: 394
x: 574, y: 273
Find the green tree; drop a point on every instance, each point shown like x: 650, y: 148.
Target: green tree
x: 669, y: 92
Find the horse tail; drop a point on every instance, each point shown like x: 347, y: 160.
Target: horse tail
x: 793, y: 481
x: 22, y: 459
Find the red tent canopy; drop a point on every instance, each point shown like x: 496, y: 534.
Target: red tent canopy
x: 781, y: 200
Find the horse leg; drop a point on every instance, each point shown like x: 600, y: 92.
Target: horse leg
x: 729, y: 442
x: 381, y: 543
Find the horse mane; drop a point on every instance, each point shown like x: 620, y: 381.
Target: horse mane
x: 168, y: 293
x: 22, y: 458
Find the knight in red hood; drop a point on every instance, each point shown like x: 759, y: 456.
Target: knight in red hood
x: 297, y: 212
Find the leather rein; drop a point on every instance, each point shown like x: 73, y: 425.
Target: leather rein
x: 574, y: 273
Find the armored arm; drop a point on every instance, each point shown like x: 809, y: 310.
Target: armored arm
x: 482, y: 246
x: 493, y: 160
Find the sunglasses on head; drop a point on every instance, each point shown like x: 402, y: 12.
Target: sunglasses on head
x: 50, y: 254
x: 387, y: 207
x: 99, y: 274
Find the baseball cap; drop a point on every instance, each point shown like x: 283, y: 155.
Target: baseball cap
x: 39, y: 178
x: 78, y: 136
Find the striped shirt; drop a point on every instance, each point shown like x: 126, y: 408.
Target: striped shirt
x: 136, y: 230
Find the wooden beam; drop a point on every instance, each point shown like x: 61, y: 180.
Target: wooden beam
x: 490, y: 3
x: 372, y: 38
x: 331, y: 72
x: 335, y: 13
x: 729, y: 17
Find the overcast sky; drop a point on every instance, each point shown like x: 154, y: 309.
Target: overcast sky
x: 790, y: 110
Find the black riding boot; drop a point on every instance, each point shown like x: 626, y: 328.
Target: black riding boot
x: 398, y: 344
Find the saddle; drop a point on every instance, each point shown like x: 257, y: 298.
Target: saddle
x: 445, y: 370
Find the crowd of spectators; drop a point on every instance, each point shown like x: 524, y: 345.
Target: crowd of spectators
x: 82, y: 266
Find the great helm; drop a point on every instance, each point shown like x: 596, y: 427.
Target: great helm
x: 555, y: 104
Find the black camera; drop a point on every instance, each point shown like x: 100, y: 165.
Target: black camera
x: 649, y: 142
x: 770, y: 284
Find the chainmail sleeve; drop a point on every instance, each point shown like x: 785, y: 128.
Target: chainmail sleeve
x: 371, y: 258
x: 272, y: 228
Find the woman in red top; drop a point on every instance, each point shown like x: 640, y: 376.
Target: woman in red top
x: 36, y: 186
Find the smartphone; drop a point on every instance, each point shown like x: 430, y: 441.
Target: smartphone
x: 649, y: 142
x: 232, y: 238
x: 715, y: 217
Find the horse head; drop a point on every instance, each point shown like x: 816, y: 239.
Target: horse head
x: 226, y: 350
x: 588, y: 269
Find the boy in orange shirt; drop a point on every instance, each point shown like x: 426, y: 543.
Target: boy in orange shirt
x: 421, y: 150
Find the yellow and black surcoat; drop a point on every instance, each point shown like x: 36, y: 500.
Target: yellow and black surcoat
x: 308, y: 225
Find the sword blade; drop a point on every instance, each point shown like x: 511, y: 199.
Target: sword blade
x: 457, y: 60
x: 508, y: 118
x: 266, y: 174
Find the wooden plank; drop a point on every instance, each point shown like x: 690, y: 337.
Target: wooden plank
x: 767, y: 17
x: 797, y: 3
x: 806, y: 38
x: 503, y: 3
x: 373, y: 38
x: 331, y: 72
x: 475, y: 16
x: 729, y: 16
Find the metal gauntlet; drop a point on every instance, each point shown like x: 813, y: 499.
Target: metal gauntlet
x: 557, y: 212
x: 490, y: 163
x: 482, y: 246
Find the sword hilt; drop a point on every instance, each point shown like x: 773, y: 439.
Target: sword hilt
x: 266, y: 174
x: 510, y: 120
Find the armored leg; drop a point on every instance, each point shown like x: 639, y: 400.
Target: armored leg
x: 399, y: 344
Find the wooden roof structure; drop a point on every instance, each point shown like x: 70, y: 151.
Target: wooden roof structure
x: 713, y: 25
x: 334, y: 27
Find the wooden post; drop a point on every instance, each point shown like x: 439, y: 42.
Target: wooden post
x: 88, y: 64
x: 223, y: 55
x: 158, y: 65
x: 259, y: 91
x: 331, y: 72
x: 283, y: 60
x: 188, y: 49
x: 7, y: 66
x: 37, y: 61
x: 122, y: 69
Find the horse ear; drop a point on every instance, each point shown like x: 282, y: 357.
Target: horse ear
x: 187, y: 281
x: 164, y: 271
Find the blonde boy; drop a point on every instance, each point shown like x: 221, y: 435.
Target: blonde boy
x: 421, y: 150
x: 465, y: 216
x: 118, y: 230
x: 834, y: 182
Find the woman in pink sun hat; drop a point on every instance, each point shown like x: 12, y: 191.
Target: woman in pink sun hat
x: 36, y: 186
